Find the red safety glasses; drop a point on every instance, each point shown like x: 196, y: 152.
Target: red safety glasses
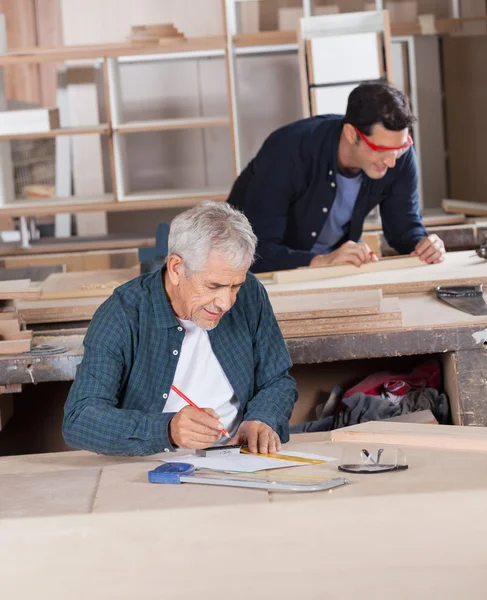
x: 398, y: 151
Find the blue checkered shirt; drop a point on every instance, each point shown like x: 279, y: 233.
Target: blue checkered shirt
x: 131, y: 351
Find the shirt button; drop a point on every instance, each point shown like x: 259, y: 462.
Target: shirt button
x: 175, y: 352
x: 325, y: 210
x: 164, y: 396
x: 180, y: 328
x: 333, y: 184
x: 166, y: 449
x: 330, y: 172
x: 313, y: 234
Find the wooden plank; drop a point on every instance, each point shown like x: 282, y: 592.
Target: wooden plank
x: 77, y: 244
x: 314, y: 273
x: 475, y: 209
x: 77, y: 261
x: 449, y: 437
x: 9, y: 326
x: 8, y: 347
x: 58, y: 311
x: 458, y: 268
x: 32, y: 273
x: 314, y: 306
x: 21, y: 288
x: 85, y: 285
x: 389, y: 318
x: 431, y: 217
x: 22, y: 81
x: 16, y: 335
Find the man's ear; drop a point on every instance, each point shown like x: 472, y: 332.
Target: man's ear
x: 350, y: 134
x: 174, y: 265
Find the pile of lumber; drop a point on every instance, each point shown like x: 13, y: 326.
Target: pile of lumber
x: 317, y: 314
x: 162, y: 33
x: 68, y: 297
x: 13, y: 339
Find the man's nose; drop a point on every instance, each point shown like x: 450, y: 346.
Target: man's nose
x: 224, y: 300
x: 390, y: 161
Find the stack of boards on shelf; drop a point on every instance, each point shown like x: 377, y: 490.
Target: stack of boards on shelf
x: 316, y: 314
x: 65, y: 297
x: 14, y: 339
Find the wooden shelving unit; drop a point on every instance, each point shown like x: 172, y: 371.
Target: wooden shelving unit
x: 117, y: 128
x: 111, y: 56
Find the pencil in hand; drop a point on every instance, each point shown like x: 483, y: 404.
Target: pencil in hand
x: 191, y: 403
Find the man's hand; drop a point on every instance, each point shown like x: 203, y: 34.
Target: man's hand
x: 349, y: 252
x: 258, y: 436
x: 430, y: 249
x: 191, y: 428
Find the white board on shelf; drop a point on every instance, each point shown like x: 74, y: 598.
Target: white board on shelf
x: 331, y: 99
x: 359, y: 58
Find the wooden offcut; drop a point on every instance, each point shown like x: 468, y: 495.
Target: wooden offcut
x: 313, y: 273
x: 390, y: 317
x: 474, y: 209
x: 333, y: 304
x: 449, y: 437
x: 85, y: 285
x: 58, y: 311
x: 20, y: 288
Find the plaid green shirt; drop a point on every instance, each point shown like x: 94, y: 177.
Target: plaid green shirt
x: 132, y: 348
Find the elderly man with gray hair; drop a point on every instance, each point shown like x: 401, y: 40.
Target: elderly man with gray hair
x: 201, y: 325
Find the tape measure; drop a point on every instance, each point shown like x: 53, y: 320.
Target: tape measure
x: 300, y: 459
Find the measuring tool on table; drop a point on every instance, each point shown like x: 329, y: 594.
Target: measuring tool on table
x: 288, y: 457
x: 176, y: 473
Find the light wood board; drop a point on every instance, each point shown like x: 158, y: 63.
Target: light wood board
x: 85, y: 285
x: 19, y: 288
x: 458, y: 268
x: 58, y: 311
x: 389, y: 318
x: 9, y: 326
x: 77, y: 261
x: 14, y: 346
x: 419, y: 435
x: 334, y: 304
x: 475, y: 209
x: 313, y: 273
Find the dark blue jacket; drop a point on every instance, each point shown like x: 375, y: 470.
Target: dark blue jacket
x: 288, y: 189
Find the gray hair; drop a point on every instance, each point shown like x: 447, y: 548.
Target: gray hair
x: 212, y: 226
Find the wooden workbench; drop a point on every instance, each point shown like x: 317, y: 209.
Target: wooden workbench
x: 430, y: 328
x: 100, y: 530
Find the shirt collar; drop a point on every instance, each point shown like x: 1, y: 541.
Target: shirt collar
x: 332, y: 158
x: 163, y: 312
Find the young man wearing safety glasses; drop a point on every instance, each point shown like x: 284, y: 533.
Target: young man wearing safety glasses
x: 313, y: 182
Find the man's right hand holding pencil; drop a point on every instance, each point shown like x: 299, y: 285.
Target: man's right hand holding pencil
x: 194, y: 429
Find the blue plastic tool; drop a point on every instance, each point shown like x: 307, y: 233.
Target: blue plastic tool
x: 174, y: 473
x: 171, y: 473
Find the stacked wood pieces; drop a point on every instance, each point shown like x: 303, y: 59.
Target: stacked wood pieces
x: 317, y: 314
x: 87, y: 284
x: 14, y: 340
x: 163, y: 33
x: 66, y: 297
x: 58, y: 311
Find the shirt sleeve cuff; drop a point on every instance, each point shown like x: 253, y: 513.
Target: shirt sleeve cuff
x: 159, y: 433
